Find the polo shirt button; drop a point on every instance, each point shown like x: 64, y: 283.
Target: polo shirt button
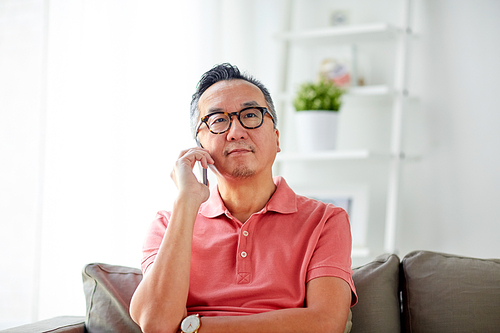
x: 244, y: 254
x: 245, y: 233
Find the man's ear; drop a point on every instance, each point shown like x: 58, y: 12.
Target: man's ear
x: 278, y: 141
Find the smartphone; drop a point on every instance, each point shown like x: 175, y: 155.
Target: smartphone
x: 205, y: 178
x: 203, y: 170
x: 201, y: 175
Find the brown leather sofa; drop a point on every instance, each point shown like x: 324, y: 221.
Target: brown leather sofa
x: 424, y: 292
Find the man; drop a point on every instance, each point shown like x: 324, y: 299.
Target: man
x: 249, y: 255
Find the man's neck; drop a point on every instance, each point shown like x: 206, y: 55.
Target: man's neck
x: 244, y: 197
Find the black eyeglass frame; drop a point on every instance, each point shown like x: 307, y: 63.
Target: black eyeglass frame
x: 204, y: 120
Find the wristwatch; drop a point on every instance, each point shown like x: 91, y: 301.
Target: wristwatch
x: 191, y: 324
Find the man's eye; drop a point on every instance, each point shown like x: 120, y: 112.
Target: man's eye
x: 217, y: 120
x: 251, y: 114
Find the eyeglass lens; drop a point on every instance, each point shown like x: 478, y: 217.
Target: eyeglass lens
x: 249, y: 118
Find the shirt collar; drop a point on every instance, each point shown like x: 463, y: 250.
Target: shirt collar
x: 283, y: 201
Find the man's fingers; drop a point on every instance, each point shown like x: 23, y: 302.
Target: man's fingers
x: 182, y: 173
x: 197, y: 154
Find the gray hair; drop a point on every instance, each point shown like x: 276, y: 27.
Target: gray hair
x: 224, y: 72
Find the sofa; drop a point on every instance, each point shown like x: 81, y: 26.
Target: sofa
x: 424, y: 292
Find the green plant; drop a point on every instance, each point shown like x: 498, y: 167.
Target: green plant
x: 321, y: 95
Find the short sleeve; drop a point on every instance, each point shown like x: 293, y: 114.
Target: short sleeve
x: 332, y: 255
x: 153, y: 239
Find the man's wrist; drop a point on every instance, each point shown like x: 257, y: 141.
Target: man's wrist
x: 187, y: 202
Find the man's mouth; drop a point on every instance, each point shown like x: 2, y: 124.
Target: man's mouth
x: 239, y: 150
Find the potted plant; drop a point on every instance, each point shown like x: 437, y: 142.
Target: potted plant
x: 317, y: 105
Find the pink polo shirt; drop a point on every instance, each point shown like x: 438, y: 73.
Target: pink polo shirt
x: 262, y: 264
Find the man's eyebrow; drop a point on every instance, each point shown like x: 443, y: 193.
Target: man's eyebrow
x: 213, y: 110
x: 250, y: 103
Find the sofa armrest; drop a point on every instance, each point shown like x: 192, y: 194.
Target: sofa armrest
x: 66, y: 324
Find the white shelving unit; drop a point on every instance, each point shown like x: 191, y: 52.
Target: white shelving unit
x: 396, y: 92
x: 343, y: 34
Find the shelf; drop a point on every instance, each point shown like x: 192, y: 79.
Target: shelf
x: 379, y: 90
x: 330, y: 155
x: 353, y: 33
x: 368, y: 91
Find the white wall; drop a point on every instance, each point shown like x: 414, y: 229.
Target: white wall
x: 21, y: 94
x: 450, y: 197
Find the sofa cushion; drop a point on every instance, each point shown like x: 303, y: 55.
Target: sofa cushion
x: 108, y: 291
x: 449, y: 293
x: 377, y: 285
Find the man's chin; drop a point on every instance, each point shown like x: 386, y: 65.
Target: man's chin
x: 243, y: 173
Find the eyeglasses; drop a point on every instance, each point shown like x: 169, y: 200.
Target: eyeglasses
x: 220, y: 122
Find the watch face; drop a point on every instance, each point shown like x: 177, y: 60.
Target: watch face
x: 190, y: 324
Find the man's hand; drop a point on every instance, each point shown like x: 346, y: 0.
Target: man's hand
x: 183, y: 175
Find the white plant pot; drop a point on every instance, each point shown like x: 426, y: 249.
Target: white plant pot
x: 316, y: 130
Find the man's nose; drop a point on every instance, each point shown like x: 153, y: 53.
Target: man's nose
x: 237, y: 131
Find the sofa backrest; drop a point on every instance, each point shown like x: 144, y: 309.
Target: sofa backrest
x: 449, y: 293
x: 426, y: 292
x: 108, y: 291
x: 377, y: 285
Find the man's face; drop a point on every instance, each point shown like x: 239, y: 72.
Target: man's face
x: 239, y: 152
